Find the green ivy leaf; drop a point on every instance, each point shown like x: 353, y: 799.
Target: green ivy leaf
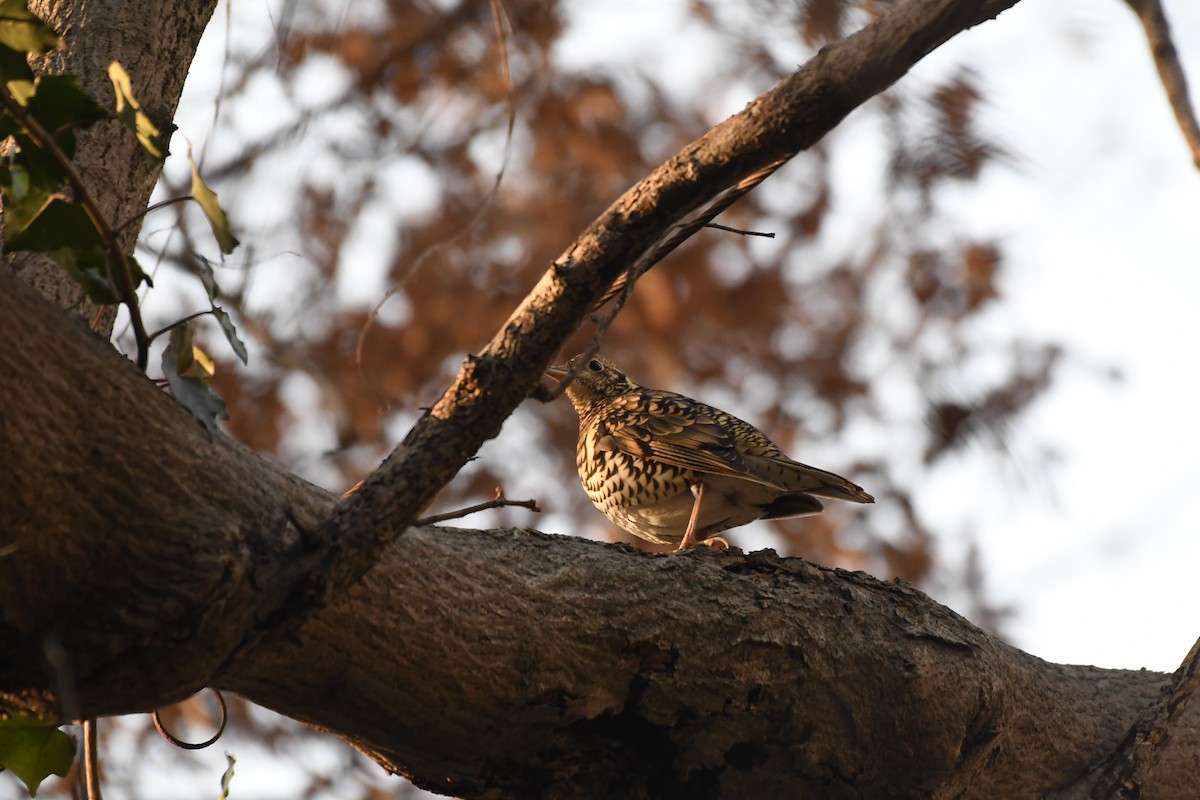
x: 192, y: 393
x: 53, y: 226
x: 66, y: 233
x: 203, y: 366
x: 20, y: 30
x: 58, y: 101
x: 230, y: 333
x: 62, y: 107
x: 13, y: 65
x: 8, y: 125
x: 199, y: 399
x: 179, y: 351
x: 208, y: 277
x: 89, y: 268
x: 131, y: 114
x: 30, y: 180
x: 207, y: 199
x: 24, y: 198
x: 21, y: 90
x: 137, y: 274
x: 227, y: 777
x: 34, y: 750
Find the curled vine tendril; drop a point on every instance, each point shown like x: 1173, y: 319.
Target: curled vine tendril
x: 173, y: 739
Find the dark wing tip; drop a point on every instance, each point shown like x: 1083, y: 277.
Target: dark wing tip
x: 797, y: 504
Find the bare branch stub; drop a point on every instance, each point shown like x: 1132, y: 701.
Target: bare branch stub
x: 740, y: 231
x: 499, y: 501
x: 681, y: 233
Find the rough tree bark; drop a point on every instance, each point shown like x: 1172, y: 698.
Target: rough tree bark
x: 151, y: 560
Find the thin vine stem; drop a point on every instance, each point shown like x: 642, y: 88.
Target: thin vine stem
x: 153, y: 207
x: 178, y: 322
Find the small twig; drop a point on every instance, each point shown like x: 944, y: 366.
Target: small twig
x: 96, y: 320
x: 170, y: 737
x: 684, y: 231
x: 153, y: 207
x: 178, y: 322
x: 91, y: 760
x: 499, y: 501
x: 118, y: 265
x: 764, y: 234
x: 1170, y: 70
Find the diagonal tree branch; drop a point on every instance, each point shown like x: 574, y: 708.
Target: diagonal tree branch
x: 1170, y: 69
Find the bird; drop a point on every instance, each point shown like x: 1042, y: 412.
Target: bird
x: 675, y: 471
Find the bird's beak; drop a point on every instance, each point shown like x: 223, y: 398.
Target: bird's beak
x: 558, y: 373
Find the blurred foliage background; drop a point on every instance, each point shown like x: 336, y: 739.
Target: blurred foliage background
x: 397, y: 195
x: 392, y: 223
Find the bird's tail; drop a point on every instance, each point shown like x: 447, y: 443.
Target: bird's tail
x: 826, y: 484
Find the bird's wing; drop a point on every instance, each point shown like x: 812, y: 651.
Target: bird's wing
x: 799, y: 477
x: 670, y: 428
x: 677, y: 431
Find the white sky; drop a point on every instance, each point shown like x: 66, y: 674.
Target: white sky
x: 1102, y: 236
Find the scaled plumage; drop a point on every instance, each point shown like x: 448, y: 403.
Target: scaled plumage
x: 672, y: 470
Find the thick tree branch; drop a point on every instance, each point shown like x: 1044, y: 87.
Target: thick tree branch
x: 684, y: 231
x: 571, y: 665
x: 140, y: 541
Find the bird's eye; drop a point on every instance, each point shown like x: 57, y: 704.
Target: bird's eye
x: 595, y: 366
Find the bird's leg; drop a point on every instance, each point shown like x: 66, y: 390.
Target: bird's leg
x: 689, y: 535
